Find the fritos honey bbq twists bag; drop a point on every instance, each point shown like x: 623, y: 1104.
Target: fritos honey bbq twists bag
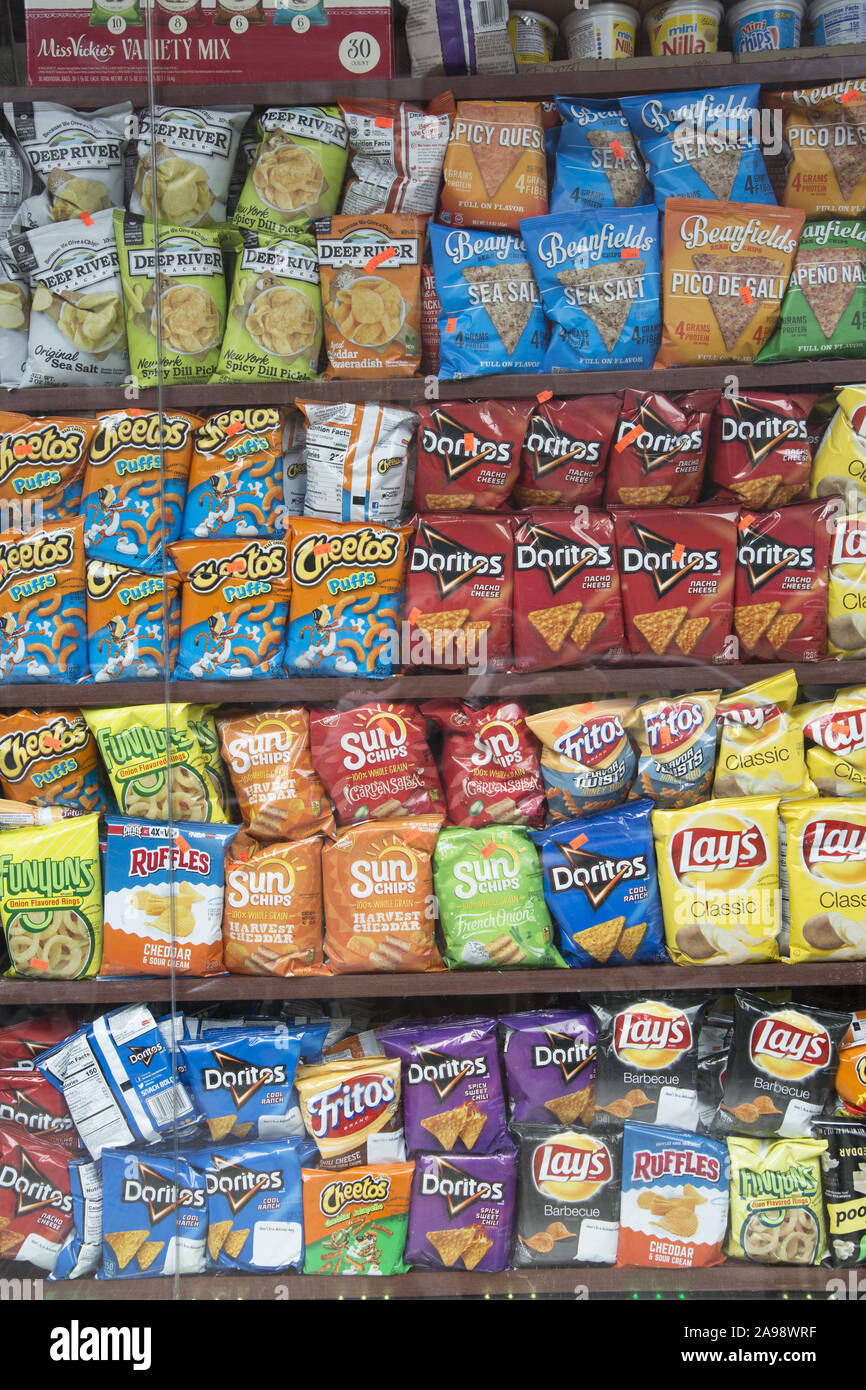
x: 777, y: 1211
x: 297, y: 170
x: 826, y: 848
x: 459, y: 591
x: 780, y: 593
x: 235, y: 478
x: 272, y: 922
x: 374, y: 761
x: 133, y: 622
x: 377, y: 879
x: 370, y: 269
x: 760, y: 454
x: 472, y: 1232
x: 676, y: 741
x: 356, y: 1223
x: 647, y: 1060
x: 568, y: 1197
x: 42, y: 464
x: 134, y: 485
x: 761, y: 745
x: 549, y: 1061
x: 718, y: 867
x: 51, y: 899
x: 674, y: 1209
x: 351, y: 1108
x: 659, y: 449
x: 825, y: 129
x: 564, y: 452
x: 43, y: 626
x: 468, y: 454
x: 268, y: 759
x: 494, y: 171
x: 453, y: 1096
x: 726, y: 268
x: 347, y: 597
x: 138, y: 747
x: 235, y: 602
x: 567, y: 604
x: 49, y: 757
x: 488, y: 763
x: 588, y: 762
x: 677, y: 575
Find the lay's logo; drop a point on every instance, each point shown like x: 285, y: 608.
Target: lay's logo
x: 703, y: 849
x: 651, y: 1035
x: 835, y: 844
x: 572, y: 1167
x: 849, y: 541
x: 749, y: 716
x: 789, y: 1045
x: 840, y: 732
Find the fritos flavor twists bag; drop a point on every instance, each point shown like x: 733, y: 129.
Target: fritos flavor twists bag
x: 235, y: 478
x: 564, y: 452
x: 726, y: 268
x: 347, y: 597
x: 133, y: 622
x: 588, y: 763
x: 272, y: 922
x: 459, y: 591
x: 235, y: 602
x: 760, y: 453
x: 777, y: 1211
x: 494, y: 171
x: 761, y: 746
x: 825, y: 129
x: 43, y: 627
x: 43, y: 461
x: 826, y: 845
x: 370, y: 268
x: 674, y: 1209
x: 138, y: 746
x: 49, y: 758
x: 782, y: 561
x: 268, y: 759
x: 488, y: 763
x: 51, y: 899
x: 374, y: 761
x: 676, y: 741
x: 468, y: 454
x: 378, y: 891
x: 659, y: 449
x: 351, y: 1109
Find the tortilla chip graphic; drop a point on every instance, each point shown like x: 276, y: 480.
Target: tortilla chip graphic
x: 609, y: 316
x: 599, y: 941
x: 689, y: 634
x: 126, y: 1244
x: 509, y: 316
x: 658, y: 629
x: 472, y: 1128
x: 216, y: 1237
x: 631, y: 939
x: 848, y: 161
x: 584, y: 629
x: 644, y: 496
x: 554, y: 624
x: 235, y: 1243
x: 221, y: 1126
x: 568, y: 1109
x: 781, y: 627
x: 451, y: 1244
x: 494, y: 163
x: 148, y: 1252
x: 477, y: 1247
x: 446, y: 1126
x: 828, y: 300
x: 752, y: 620
x: 717, y: 168
x: 626, y: 177
x: 756, y: 492
x: 731, y: 312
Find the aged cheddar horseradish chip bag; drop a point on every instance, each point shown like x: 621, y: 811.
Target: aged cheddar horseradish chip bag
x: 568, y: 1197
x: 674, y: 1199
x: 378, y: 888
x: 357, y: 458
x: 274, y: 324
x: 234, y: 608
x: 36, y: 1205
x: 458, y: 594
x: 462, y: 1211
x: 453, y: 1097
x: 371, y: 293
x: 347, y: 598
x: 761, y: 744
x: 235, y: 475
x: 268, y: 759
x: 825, y: 303
x: 564, y: 452
x: 647, y: 1061
x: 726, y: 267
x: 297, y: 170
x: 51, y: 899
x: 242, y: 1080
x: 676, y: 740
x: 597, y: 161
x: 760, y: 453
x: 396, y: 151
x: 185, y: 162
x: 356, y: 1223
x: 49, y: 758
x: 826, y: 842
x: 549, y: 1058
x: 78, y: 156
x: 43, y: 629
x: 29, y: 1100
x: 780, y: 595
x: 351, y: 1108
x: 491, y: 901
x: 567, y: 605
x: 42, y: 464
x: 600, y: 886
x: 138, y: 747
x: 374, y: 761
x: 659, y: 449
x: 588, y: 763
x: 468, y: 454
x: 850, y: 1079
x: 839, y: 467
x: 488, y: 763
x: 719, y: 880
x: 598, y: 277
x: 145, y: 1198
x: 777, y: 1212
x: 133, y: 622
x: 135, y: 484
x: 824, y: 135
x: 494, y: 169
x: 272, y: 921
x: 491, y: 319
x: 846, y: 599
x: 677, y: 576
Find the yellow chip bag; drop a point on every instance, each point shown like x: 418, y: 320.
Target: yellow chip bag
x: 837, y: 728
x: 777, y: 1212
x: 203, y: 725
x: 51, y: 899
x: 846, y: 594
x: 827, y: 884
x: 761, y: 747
x: 839, y: 465
x: 718, y: 868
x: 134, y: 745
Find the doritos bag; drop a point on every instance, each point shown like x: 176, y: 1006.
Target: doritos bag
x: 133, y: 622
x: 459, y: 591
x: 370, y: 269
x: 597, y: 160
x: 234, y: 607
x: 235, y: 477
x: 564, y: 452
x: 825, y: 303
x: 22, y: 1042
x: 28, y: 1099
x: 760, y: 453
x: 374, y: 761
x: 242, y: 1080
x: 588, y: 763
x: 468, y: 454
x: 825, y: 128
x: 488, y: 764
x: 145, y: 1197
x: 782, y: 563
x: 36, y: 1199
x: 475, y: 1229
x: 494, y: 171
x: 549, y: 1060
x: 272, y: 920
x: 43, y: 628
x: 42, y: 463
x: 659, y: 448
x: 761, y: 744
x: 49, y: 758
x: 268, y: 759
x: 453, y: 1096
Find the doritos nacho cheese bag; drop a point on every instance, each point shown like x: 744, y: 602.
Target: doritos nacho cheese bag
x: 826, y: 844
x: 468, y: 454
x: 494, y: 171
x: 459, y: 591
x: 825, y: 129
x: 49, y: 758
x: 138, y: 745
x: 51, y: 899
x: 268, y: 758
x: 347, y: 597
x: 761, y: 744
x: 42, y: 463
x: 133, y: 622
x: 659, y: 449
x: 234, y: 608
x: 780, y: 594
x: 37, y: 1204
x: 825, y: 303
x: 272, y: 922
x: 564, y: 452
x: 726, y: 268
x: 588, y: 763
x: 760, y: 452
x: 43, y: 627
x: 235, y: 482
x: 371, y: 293
x: 488, y: 763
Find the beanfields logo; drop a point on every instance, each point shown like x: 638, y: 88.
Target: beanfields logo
x: 718, y: 851
x: 571, y: 1167
x: 789, y: 1045
x: 651, y: 1034
x: 835, y: 850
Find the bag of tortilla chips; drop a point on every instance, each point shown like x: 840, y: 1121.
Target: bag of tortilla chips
x: 824, y: 310
x: 597, y: 159
x: 495, y: 172
x: 825, y: 139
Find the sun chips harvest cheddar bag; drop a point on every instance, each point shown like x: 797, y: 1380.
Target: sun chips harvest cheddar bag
x: 588, y: 763
x: 782, y: 563
x: 234, y: 608
x: 138, y: 745
x: 647, y: 1060
x: 356, y: 1222
x: 574, y: 1178
x: 494, y: 172
x: 371, y: 294
x: 777, y: 1212
x: 761, y: 746
x: 49, y: 758
x: 374, y: 761
x: 51, y: 899
x: 272, y: 920
x: 42, y: 464
x: 826, y: 843
x: 268, y: 759
x: 674, y: 1210
x: 824, y: 135
x: 43, y: 628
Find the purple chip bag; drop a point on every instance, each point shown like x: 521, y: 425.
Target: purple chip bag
x: 462, y: 1211
x: 453, y: 1096
x: 550, y: 1065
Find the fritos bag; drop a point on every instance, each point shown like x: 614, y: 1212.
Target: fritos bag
x: 374, y: 761
x: 272, y: 922
x: 137, y: 744
x: 726, y: 268
x: 235, y: 603
x: 494, y: 172
x: 43, y: 626
x: 133, y: 623
x: 676, y: 739
x: 760, y: 454
x: 659, y: 449
x: 351, y: 1108
x: 371, y: 293
x: 489, y: 764
x: 782, y: 562
x: 48, y: 757
x: 268, y: 759
x: 235, y: 475
x: 378, y: 890
x: 588, y: 763
x: 51, y: 899
x: 565, y: 450
x: 459, y: 591
x: 825, y: 129
x: 761, y: 745
x: 468, y: 454
x: 42, y: 463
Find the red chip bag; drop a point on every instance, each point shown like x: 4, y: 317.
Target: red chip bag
x: 458, y: 594
x: 468, y: 454
x: 761, y: 453
x: 780, y: 598
x: 21, y: 1043
x: 430, y: 310
x: 35, y: 1202
x: 659, y: 449
x: 567, y: 605
x: 267, y: 754
x: 374, y: 762
x: 489, y: 764
x: 565, y: 450
x: 29, y: 1099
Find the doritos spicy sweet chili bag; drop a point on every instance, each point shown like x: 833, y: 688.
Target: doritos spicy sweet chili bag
x: 659, y: 449
x: 488, y: 763
x: 474, y: 1227
x: 494, y: 170
x: 468, y: 454
x: 459, y: 591
x: 780, y: 592
x: 564, y: 452
x: 549, y: 1060
x: 453, y: 1096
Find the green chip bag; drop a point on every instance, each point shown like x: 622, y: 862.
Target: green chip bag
x: 491, y: 900
x: 274, y: 326
x: 51, y: 899
x: 203, y: 725
x: 102, y: 12
x: 297, y: 173
x: 824, y: 309
x: 192, y: 298
x: 138, y: 745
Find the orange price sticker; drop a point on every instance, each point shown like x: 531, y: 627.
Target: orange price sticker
x: 383, y: 122
x: 544, y: 396
x: 451, y: 326
x: 234, y: 428
x: 577, y: 843
x: 628, y: 439
x: 38, y: 964
x: 617, y: 149
x: 181, y: 844
x: 678, y: 553
x: 746, y: 295
x: 379, y: 259
x: 746, y: 521
x: 321, y: 549
x: 414, y: 615
x: 490, y: 848
x: 235, y: 567
x: 562, y: 728
x: 469, y: 443
x: 628, y: 253
x: 87, y: 219
x: 849, y: 96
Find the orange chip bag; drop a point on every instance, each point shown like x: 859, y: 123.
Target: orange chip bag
x: 379, y: 905
x: 49, y: 757
x: 272, y: 924
x: 234, y: 608
x: 236, y: 475
x: 725, y: 271
x: 43, y: 625
x: 370, y: 270
x: 133, y: 622
x: 825, y: 138
x: 268, y: 758
x: 42, y: 464
x: 495, y: 172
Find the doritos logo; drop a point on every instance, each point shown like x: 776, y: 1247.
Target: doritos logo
x: 651, y: 1035
x: 666, y: 561
x: 442, y: 1072
x: 239, y: 1185
x: 460, y: 1189
x: 452, y: 563
x: 240, y: 1077
x: 563, y: 1053
x: 657, y: 443
x: 789, y: 1045
x: 549, y: 448
x: 32, y: 1188
x: 448, y: 440
x: 160, y: 1196
x: 17, y: 1107
x: 572, y: 1167
x: 757, y: 427
x: 556, y: 559
x: 143, y: 1056
x: 762, y: 558
x: 596, y: 875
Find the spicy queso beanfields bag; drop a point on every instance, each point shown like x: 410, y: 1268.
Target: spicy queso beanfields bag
x: 494, y: 168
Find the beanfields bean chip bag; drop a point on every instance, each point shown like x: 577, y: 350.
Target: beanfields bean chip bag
x: 494, y: 171
x: 51, y: 899
x: 491, y: 903
x: 371, y: 293
x: 235, y: 476
x: 49, y: 758
x: 488, y: 763
x: 43, y: 629
x: 137, y: 746
x: 42, y: 463
x: 825, y: 303
x: 597, y: 159
x: 234, y: 608
x: 824, y: 135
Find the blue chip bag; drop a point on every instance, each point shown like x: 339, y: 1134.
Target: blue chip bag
x: 133, y: 622
x: 255, y: 1208
x: 154, y: 1214
x: 242, y: 1080
x: 598, y: 164
x: 43, y: 628
x: 601, y: 889
x: 598, y: 276
x: 491, y: 320
x: 702, y: 144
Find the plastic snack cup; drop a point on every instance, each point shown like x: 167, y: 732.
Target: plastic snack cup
x: 533, y: 37
x: 837, y: 21
x: 758, y: 25
x: 607, y: 30
x: 684, y: 27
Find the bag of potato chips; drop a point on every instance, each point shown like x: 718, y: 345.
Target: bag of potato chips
x: 761, y: 745
x: 138, y: 746
x: 839, y: 465
x: 297, y: 170
x: 14, y: 317
x: 185, y: 161
x: 51, y: 899
x: 494, y: 172
x: 837, y: 728
x: 371, y: 293
x: 78, y: 155
x: 274, y: 324
x: 826, y: 841
x: 846, y: 599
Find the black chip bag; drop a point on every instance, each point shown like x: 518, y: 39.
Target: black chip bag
x: 844, y: 1181
x: 647, y: 1060
x: 568, y: 1197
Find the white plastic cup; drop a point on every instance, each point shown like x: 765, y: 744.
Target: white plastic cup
x: 757, y: 26
x: 607, y: 30
x: 837, y: 21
